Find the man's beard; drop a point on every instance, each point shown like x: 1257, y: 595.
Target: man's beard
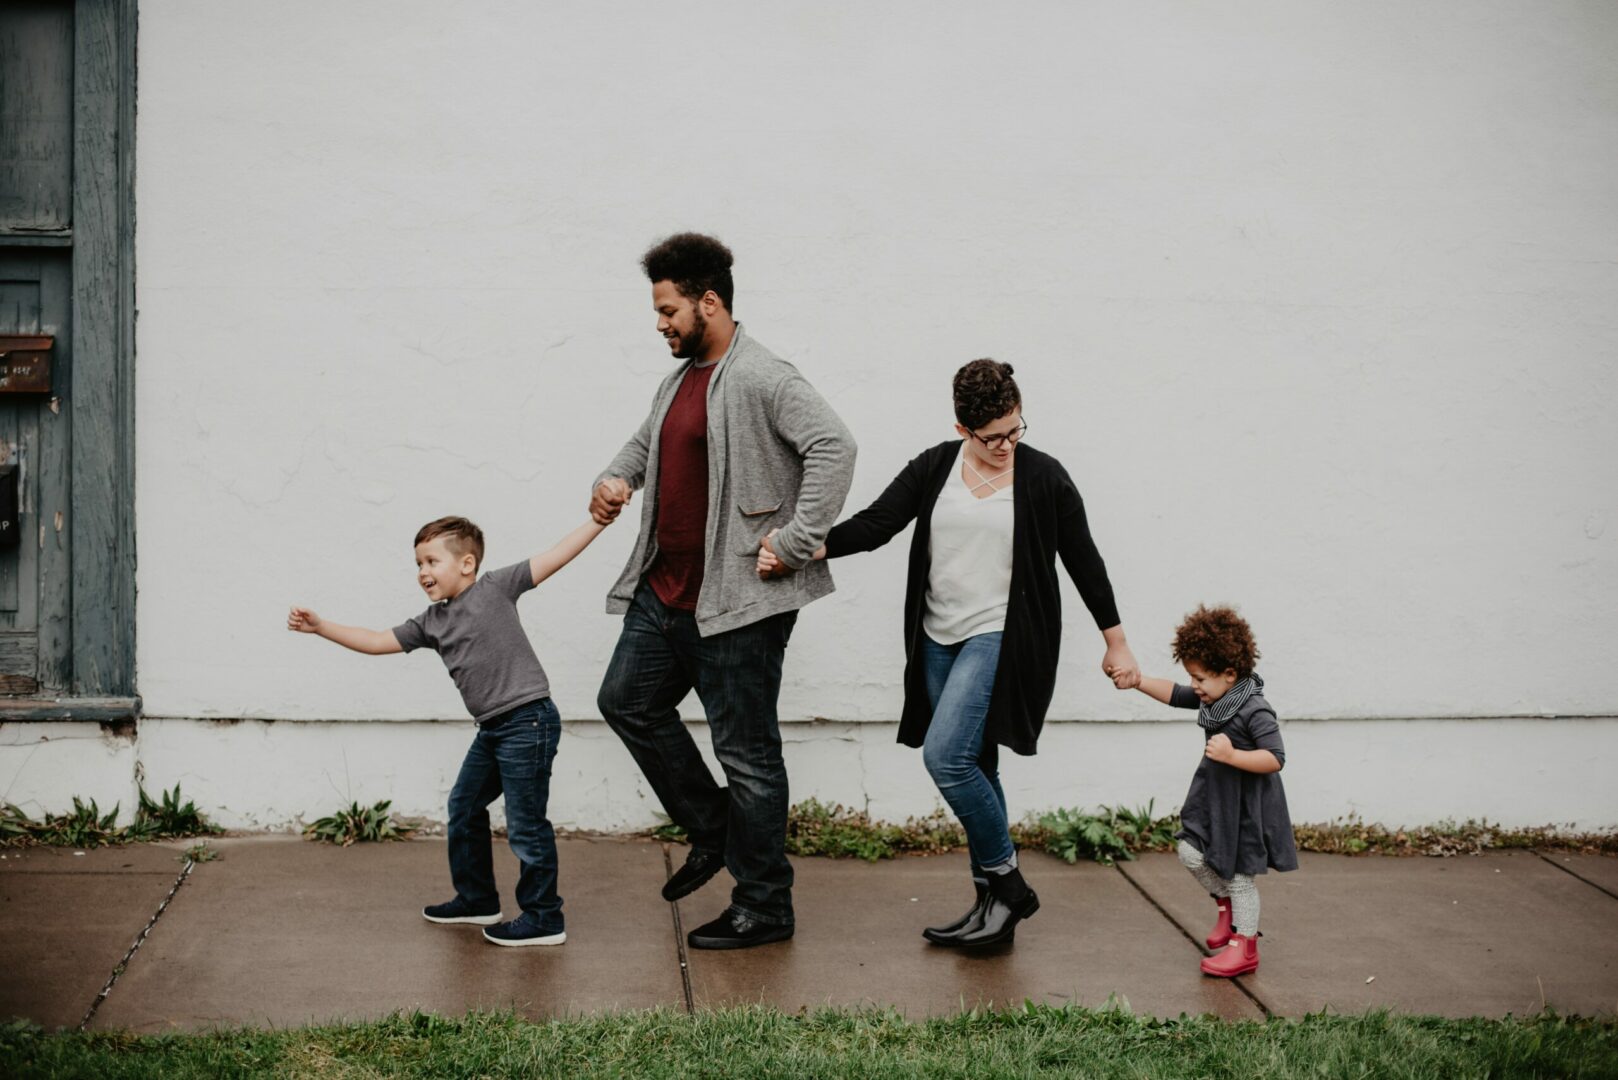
x: 691, y: 344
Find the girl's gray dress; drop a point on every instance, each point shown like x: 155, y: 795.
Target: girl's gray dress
x: 1238, y: 819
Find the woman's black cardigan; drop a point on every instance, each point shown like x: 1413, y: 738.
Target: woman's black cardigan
x: 1049, y: 521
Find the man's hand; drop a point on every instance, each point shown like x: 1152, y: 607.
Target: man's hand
x: 769, y: 563
x: 303, y: 620
x: 608, y: 500
x: 1220, y: 749
x: 1119, y: 665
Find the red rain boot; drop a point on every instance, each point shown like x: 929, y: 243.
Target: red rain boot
x: 1237, y: 958
x: 1219, y: 936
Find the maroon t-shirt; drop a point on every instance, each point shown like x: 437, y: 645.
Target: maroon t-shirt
x: 682, y: 494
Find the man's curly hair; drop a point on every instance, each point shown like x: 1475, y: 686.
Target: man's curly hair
x: 984, y: 392
x: 1217, y: 639
x: 695, y: 263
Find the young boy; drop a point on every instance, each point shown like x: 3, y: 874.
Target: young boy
x: 473, y: 626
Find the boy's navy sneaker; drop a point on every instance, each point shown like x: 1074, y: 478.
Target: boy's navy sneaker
x: 459, y: 911
x: 524, y: 930
x: 733, y: 930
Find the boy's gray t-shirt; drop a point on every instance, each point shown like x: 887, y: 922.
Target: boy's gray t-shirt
x: 481, y: 641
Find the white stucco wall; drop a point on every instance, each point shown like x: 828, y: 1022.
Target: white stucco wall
x: 1316, y: 301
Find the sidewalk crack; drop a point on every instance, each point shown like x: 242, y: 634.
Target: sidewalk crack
x: 140, y: 939
x: 1574, y: 873
x: 679, y: 937
x: 1161, y: 910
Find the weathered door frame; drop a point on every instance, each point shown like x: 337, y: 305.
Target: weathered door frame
x: 101, y: 397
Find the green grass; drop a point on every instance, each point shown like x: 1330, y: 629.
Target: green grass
x: 1034, y: 1041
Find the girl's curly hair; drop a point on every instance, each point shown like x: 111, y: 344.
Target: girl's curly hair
x: 984, y: 391
x: 1217, y: 639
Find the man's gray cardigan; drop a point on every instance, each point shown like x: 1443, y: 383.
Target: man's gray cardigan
x: 778, y: 458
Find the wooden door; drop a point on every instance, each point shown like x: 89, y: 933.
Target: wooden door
x: 36, y: 572
x: 66, y: 271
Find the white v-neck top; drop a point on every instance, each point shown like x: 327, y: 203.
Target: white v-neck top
x: 969, y: 580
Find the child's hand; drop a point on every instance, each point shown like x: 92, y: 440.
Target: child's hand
x: 1219, y: 749
x: 303, y: 620
x: 1127, y: 680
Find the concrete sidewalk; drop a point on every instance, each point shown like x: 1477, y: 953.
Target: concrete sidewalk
x: 280, y: 931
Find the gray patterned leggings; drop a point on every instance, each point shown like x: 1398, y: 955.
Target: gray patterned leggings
x: 1241, y: 889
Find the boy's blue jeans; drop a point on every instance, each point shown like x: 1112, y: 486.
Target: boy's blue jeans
x: 964, y: 765
x: 510, y: 755
x: 737, y: 674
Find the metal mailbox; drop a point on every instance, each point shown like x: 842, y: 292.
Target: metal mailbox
x: 25, y: 363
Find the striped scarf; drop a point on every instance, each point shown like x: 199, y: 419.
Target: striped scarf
x: 1217, y: 715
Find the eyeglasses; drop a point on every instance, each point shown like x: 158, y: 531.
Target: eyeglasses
x: 995, y: 442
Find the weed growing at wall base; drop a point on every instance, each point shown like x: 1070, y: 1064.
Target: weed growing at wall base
x: 85, y: 826
x: 1113, y: 833
x: 1109, y: 834
x: 357, y: 824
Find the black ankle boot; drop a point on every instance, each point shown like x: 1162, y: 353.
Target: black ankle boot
x: 972, y: 920
x: 1010, y: 902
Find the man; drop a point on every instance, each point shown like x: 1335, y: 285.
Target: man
x: 737, y: 446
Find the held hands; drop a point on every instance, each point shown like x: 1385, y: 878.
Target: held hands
x: 1119, y: 665
x: 1220, y: 749
x: 769, y: 563
x: 608, y: 500
x: 303, y: 621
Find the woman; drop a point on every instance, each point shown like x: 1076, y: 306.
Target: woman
x: 983, y: 618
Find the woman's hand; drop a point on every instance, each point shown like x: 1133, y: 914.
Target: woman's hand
x: 1119, y: 663
x: 770, y: 564
x: 1220, y: 749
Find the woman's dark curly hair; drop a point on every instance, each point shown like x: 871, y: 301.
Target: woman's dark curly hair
x: 1217, y: 639
x: 694, y: 263
x: 984, y: 392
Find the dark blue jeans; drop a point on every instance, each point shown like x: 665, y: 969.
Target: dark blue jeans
x: 510, y: 755
x: 965, y: 765
x: 737, y: 675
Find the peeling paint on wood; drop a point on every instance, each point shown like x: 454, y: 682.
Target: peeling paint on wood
x: 36, y: 109
x: 102, y: 465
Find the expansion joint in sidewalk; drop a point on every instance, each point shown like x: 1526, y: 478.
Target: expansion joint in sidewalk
x: 140, y: 939
x: 1239, y: 983
x: 679, y: 937
x: 1569, y: 870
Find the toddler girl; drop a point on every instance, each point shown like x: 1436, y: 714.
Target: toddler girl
x: 1234, y: 823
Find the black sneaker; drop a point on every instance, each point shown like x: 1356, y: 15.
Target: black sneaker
x: 524, y: 930
x: 700, y: 867
x: 459, y: 911
x: 733, y: 930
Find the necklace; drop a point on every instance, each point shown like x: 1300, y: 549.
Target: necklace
x: 984, y: 481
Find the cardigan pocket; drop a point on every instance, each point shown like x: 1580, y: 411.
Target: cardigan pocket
x: 754, y: 518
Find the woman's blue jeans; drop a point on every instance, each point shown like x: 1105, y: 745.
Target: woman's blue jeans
x: 964, y: 765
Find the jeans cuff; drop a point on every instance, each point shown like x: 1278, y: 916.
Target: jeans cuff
x: 1005, y: 867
